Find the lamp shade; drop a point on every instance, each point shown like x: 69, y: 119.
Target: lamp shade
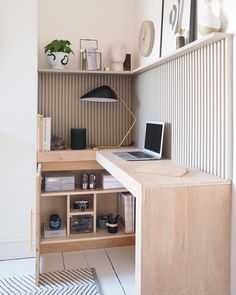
x: 101, y: 94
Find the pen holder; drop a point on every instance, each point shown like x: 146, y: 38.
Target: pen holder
x: 112, y: 228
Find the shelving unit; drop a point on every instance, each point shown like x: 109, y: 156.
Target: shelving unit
x: 62, y: 201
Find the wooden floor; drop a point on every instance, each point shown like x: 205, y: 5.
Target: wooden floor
x: 114, y: 267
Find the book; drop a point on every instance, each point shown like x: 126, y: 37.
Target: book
x: 126, y: 212
x: 47, y: 134
x: 39, y: 132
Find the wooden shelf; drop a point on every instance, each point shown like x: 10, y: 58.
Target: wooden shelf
x: 99, y: 235
x: 127, y: 73
x: 195, y: 45
x: 79, y: 191
x: 74, y: 212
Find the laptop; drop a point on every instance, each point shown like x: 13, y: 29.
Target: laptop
x: 153, y: 144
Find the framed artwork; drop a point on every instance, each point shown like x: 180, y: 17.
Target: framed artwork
x: 176, y: 14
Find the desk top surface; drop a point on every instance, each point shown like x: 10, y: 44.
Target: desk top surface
x: 157, y: 173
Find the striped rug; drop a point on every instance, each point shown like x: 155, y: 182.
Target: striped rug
x: 66, y: 282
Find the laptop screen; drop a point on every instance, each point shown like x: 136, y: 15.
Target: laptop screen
x: 154, y: 137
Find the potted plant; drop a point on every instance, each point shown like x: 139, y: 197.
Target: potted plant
x: 58, y: 53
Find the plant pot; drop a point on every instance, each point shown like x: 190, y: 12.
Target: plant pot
x: 58, y: 60
x: 102, y: 222
x: 112, y: 228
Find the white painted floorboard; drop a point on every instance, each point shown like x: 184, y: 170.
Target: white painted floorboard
x: 75, y: 259
x: 51, y: 262
x: 124, y: 267
x: 114, y: 267
x: 108, y: 280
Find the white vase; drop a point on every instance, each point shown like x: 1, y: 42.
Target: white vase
x: 208, y: 21
x: 58, y: 60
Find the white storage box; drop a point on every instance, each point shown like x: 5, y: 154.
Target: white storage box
x: 109, y: 182
x: 54, y: 233
x: 59, y: 183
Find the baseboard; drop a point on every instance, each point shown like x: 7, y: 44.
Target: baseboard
x: 15, y: 250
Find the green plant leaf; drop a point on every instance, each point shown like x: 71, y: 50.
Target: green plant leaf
x: 58, y: 46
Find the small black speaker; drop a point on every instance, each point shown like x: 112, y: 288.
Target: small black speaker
x: 78, y: 138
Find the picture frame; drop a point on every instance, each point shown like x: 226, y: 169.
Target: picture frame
x: 176, y: 14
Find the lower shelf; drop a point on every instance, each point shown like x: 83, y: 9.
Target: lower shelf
x: 84, y: 241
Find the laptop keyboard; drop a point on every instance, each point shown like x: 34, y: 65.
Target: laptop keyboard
x: 140, y: 155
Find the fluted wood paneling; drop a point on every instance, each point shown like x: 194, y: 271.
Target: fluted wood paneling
x: 192, y: 94
x: 105, y: 123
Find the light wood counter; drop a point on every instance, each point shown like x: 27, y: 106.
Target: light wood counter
x: 182, y: 227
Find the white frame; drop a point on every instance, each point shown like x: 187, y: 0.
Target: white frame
x: 156, y: 155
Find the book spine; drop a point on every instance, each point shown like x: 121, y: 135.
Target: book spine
x: 40, y: 132
x: 47, y: 134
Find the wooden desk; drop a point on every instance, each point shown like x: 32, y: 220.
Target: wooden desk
x: 182, y: 228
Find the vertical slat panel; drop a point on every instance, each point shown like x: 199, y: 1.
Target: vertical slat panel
x: 192, y: 95
x: 105, y: 123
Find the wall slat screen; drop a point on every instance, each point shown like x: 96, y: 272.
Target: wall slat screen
x: 192, y: 94
x: 105, y: 123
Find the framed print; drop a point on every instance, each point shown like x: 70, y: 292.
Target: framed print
x: 176, y: 14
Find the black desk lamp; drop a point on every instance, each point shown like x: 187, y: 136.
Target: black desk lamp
x: 106, y: 94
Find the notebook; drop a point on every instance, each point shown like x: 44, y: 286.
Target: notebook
x: 153, y: 144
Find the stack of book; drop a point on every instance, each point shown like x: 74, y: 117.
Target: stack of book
x: 126, y: 211
x: 43, y: 133
x: 109, y: 182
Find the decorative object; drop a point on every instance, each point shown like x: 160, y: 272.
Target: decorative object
x: 84, y: 181
x: 180, y: 40
x: 106, y: 94
x: 127, y: 62
x: 57, y: 143
x: 208, y: 22
x: 102, y: 222
x: 76, y: 281
x: 58, y: 53
x: 90, y: 58
x: 116, y: 54
x: 92, y: 181
x: 112, y: 223
x: 54, y: 221
x: 81, y: 205
x: 83, y: 224
x: 78, y: 138
x: 146, y: 38
x: 176, y: 14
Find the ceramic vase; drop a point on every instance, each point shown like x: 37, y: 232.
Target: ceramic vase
x: 208, y: 21
x: 58, y: 60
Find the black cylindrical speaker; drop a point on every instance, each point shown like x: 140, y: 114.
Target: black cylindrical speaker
x: 78, y: 138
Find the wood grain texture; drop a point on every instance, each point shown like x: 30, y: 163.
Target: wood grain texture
x: 186, y: 233
x: 70, y: 166
x: 66, y: 156
x: 78, y: 245
x: 182, y: 228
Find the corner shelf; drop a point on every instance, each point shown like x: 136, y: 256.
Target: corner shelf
x: 195, y: 45
x: 82, y: 72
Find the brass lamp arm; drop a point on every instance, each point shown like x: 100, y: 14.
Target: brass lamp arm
x: 128, y: 132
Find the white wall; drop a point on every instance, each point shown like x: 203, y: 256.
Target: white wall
x: 148, y: 10
x: 18, y: 96
x: 106, y: 20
